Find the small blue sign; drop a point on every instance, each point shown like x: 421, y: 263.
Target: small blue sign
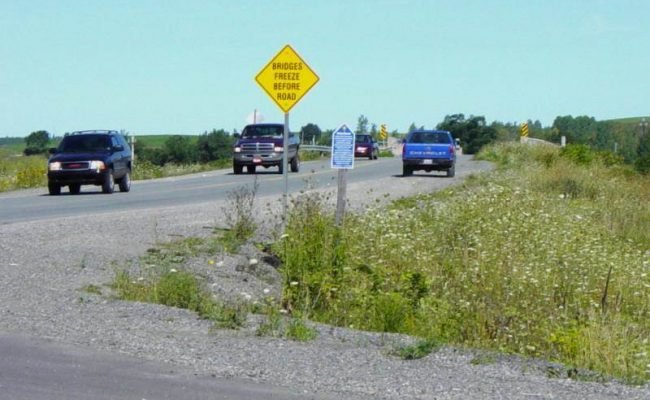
x: 343, y: 148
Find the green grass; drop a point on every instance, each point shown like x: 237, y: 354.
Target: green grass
x: 21, y: 172
x: 158, y: 141
x: 162, y: 279
x: 418, y: 350
x: 546, y: 258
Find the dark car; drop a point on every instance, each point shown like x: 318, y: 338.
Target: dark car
x: 98, y: 157
x: 261, y: 145
x: 366, y: 146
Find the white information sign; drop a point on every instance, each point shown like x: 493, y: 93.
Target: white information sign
x: 343, y: 148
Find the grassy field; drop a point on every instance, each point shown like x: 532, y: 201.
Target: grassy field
x: 546, y: 258
x: 21, y: 172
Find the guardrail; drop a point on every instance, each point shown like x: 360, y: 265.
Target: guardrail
x: 534, y: 141
x: 313, y: 147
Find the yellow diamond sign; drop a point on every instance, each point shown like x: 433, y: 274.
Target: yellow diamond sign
x: 286, y: 78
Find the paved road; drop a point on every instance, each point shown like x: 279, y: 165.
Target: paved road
x: 36, y: 369
x: 36, y: 204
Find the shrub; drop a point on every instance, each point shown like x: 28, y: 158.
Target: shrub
x: 578, y: 153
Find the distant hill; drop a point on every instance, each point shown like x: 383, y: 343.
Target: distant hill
x: 629, y: 121
x: 8, y: 141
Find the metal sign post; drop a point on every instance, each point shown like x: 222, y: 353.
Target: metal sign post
x: 285, y: 165
x: 286, y: 79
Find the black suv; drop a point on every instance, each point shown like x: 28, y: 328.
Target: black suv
x: 98, y: 157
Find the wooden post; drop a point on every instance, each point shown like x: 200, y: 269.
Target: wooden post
x: 340, y: 196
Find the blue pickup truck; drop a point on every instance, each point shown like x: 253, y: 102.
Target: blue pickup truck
x: 429, y: 150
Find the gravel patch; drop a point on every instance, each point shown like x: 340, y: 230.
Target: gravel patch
x: 41, y: 294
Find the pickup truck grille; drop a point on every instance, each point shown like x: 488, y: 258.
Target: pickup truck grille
x: 257, y: 147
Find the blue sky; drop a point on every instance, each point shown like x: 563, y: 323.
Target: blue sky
x: 185, y: 67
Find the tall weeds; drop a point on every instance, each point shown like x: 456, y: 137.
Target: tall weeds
x: 546, y: 257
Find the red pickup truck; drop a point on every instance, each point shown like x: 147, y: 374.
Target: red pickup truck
x: 261, y: 145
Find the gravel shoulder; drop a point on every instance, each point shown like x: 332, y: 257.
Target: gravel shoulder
x: 41, y: 295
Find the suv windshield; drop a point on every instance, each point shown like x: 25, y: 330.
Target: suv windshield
x: 362, y: 139
x: 85, y: 143
x: 263, y: 130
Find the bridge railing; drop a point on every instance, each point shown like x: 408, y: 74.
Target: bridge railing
x: 534, y: 141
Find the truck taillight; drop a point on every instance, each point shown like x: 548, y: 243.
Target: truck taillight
x: 452, y: 149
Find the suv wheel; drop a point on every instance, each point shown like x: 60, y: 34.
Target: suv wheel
x: 125, y: 182
x: 54, y: 189
x: 295, y: 164
x: 451, y: 172
x: 74, y: 188
x: 108, y: 186
x: 281, y: 167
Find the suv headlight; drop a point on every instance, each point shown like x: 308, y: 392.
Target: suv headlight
x: 54, y: 166
x: 278, y: 149
x: 237, y: 149
x: 97, y: 165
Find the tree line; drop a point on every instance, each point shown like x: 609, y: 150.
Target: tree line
x: 628, y: 141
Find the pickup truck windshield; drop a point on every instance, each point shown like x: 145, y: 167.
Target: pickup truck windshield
x: 260, y: 131
x: 430, y: 137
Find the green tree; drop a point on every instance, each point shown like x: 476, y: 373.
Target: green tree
x: 179, y: 149
x: 474, y: 133
x: 362, y: 125
x: 578, y: 130
x: 216, y: 145
x: 36, y: 143
x: 373, y: 131
x: 326, y: 138
x: 310, y: 133
x: 642, y: 163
